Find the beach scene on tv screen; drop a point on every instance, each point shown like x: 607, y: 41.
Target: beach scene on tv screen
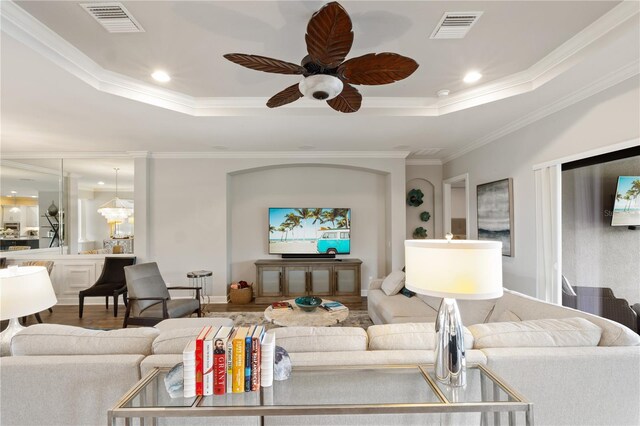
x: 626, y: 209
x: 309, y: 230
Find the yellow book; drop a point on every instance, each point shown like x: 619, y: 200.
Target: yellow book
x: 238, y: 359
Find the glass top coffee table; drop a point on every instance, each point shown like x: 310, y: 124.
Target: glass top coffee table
x: 296, y: 317
x: 322, y: 391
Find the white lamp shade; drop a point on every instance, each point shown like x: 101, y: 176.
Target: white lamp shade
x: 460, y: 269
x: 24, y: 291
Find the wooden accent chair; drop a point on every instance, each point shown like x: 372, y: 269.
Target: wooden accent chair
x: 111, y: 283
x: 149, y: 298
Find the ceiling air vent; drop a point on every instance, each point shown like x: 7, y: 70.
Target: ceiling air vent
x: 455, y: 24
x: 113, y: 17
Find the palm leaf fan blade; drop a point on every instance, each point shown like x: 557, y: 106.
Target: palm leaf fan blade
x: 329, y: 35
x: 377, y: 68
x: 349, y: 100
x: 265, y: 64
x: 286, y: 96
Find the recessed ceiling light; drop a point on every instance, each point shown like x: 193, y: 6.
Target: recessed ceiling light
x: 14, y: 192
x: 472, y: 77
x: 101, y: 183
x: 161, y: 76
x: 34, y: 196
x: 442, y: 93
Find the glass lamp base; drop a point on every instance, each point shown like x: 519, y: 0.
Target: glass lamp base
x: 450, y: 363
x: 5, y: 337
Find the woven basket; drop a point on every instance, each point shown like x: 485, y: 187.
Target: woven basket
x: 241, y: 296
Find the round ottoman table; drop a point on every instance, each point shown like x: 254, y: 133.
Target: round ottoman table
x: 297, y: 317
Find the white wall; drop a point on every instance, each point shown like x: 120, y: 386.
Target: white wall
x: 251, y: 194
x: 190, y: 205
x: 609, y: 117
x: 594, y: 253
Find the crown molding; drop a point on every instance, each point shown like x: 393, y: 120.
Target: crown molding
x: 604, y: 83
x: 20, y: 25
x: 202, y: 154
x: 283, y: 154
x: 423, y: 162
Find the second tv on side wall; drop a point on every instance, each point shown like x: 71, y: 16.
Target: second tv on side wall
x: 309, y: 231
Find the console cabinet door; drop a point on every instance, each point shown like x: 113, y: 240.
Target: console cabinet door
x: 320, y: 280
x: 347, y: 280
x: 295, y: 281
x: 270, y: 281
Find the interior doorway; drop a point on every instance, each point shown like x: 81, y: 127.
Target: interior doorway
x: 456, y: 206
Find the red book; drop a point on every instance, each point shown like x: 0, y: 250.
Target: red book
x: 200, y: 360
x: 220, y: 360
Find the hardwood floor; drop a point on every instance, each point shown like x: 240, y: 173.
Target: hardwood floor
x: 96, y: 316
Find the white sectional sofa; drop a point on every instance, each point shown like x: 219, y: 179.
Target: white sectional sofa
x: 576, y: 368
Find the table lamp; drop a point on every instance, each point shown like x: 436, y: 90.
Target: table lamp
x: 460, y: 269
x: 23, y: 291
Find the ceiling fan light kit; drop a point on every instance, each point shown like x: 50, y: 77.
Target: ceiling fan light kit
x: 327, y: 75
x: 321, y: 87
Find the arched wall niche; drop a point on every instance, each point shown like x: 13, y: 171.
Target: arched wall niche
x: 429, y: 205
x: 251, y: 191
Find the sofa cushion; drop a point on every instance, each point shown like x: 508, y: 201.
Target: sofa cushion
x: 56, y: 339
x: 567, y: 332
x: 393, y: 283
x: 321, y: 339
x: 173, y: 341
x: 407, y: 336
x: 528, y: 308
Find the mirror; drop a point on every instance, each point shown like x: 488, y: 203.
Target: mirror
x: 32, y: 217
x: 67, y: 207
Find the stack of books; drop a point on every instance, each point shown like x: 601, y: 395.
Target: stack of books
x: 333, y: 306
x: 281, y: 305
x: 226, y: 360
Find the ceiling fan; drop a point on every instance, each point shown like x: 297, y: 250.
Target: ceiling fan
x: 327, y: 76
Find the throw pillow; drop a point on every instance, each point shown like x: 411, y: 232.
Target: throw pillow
x: 393, y: 283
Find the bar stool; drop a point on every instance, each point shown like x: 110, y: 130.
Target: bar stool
x: 200, y: 279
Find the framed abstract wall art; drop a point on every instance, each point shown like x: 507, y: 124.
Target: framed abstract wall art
x: 495, y: 213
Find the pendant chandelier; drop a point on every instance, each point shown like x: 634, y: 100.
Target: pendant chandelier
x: 116, y: 210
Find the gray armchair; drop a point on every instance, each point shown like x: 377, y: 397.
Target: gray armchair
x: 149, y: 298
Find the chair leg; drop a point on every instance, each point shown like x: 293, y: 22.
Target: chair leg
x: 50, y: 310
x: 37, y: 314
x: 126, y: 316
x: 80, y: 305
x: 115, y: 303
x: 106, y: 301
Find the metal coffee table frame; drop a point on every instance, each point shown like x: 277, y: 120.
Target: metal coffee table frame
x: 515, y: 403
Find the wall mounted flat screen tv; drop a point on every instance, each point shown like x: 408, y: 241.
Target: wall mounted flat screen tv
x: 309, y: 231
x: 626, y: 208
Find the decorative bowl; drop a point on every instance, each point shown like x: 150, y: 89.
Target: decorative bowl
x: 308, y: 303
